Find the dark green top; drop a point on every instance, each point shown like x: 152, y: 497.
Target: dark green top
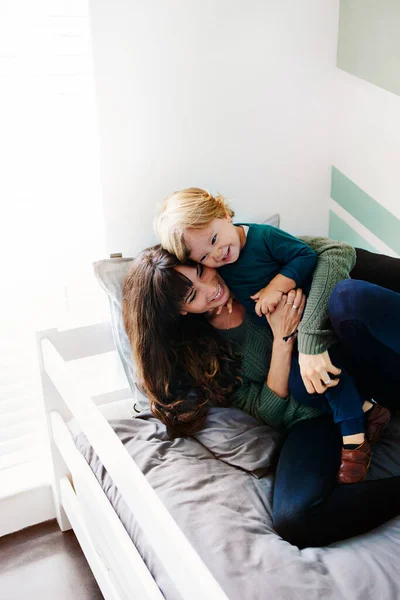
x: 268, y: 251
x: 254, y: 342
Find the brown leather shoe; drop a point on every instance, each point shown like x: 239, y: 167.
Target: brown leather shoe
x: 355, y: 463
x: 375, y: 422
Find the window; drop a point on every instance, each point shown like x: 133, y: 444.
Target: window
x: 51, y: 227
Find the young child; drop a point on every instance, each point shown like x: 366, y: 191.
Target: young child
x: 260, y: 263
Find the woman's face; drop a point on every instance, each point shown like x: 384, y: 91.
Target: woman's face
x: 208, y: 289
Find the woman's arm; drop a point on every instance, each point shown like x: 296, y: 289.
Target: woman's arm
x: 335, y: 261
x: 259, y: 401
x: 284, y: 322
x: 268, y: 400
x: 278, y: 375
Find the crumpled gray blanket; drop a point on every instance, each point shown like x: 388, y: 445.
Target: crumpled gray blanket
x: 218, y: 487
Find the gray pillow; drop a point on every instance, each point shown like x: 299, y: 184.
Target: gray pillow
x: 239, y: 440
x: 229, y: 434
x: 110, y: 273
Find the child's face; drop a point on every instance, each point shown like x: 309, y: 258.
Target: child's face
x: 216, y: 245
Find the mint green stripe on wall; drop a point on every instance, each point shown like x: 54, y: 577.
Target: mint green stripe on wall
x: 339, y: 230
x: 369, y: 41
x: 366, y: 210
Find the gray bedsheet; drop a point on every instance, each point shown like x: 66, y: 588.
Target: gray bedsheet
x: 218, y: 488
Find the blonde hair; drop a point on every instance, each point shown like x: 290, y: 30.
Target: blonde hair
x: 192, y: 208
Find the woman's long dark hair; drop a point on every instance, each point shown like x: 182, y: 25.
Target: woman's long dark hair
x: 181, y: 362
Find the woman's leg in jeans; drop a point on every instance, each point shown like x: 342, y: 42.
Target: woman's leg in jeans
x: 309, y: 509
x: 366, y: 318
x: 377, y: 268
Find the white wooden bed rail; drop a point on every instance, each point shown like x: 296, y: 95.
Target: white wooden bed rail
x: 102, y: 529
x: 183, y: 565
x: 99, y: 569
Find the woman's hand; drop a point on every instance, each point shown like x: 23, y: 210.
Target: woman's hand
x: 316, y: 371
x: 287, y: 315
x: 284, y: 321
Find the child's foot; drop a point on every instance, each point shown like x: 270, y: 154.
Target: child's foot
x: 355, y: 463
x: 376, y: 420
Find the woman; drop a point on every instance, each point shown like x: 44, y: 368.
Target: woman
x: 185, y: 360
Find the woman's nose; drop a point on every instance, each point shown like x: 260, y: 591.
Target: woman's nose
x: 208, y: 287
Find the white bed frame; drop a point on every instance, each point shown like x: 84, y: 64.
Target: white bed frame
x: 79, y: 499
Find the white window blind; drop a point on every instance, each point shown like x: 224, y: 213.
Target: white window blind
x: 52, y: 225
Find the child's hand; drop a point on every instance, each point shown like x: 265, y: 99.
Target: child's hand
x: 227, y: 305
x: 266, y: 300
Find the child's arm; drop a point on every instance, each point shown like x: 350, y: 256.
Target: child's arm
x: 297, y: 258
x: 298, y: 261
x: 269, y: 297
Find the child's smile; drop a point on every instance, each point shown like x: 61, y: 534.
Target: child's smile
x: 216, y: 245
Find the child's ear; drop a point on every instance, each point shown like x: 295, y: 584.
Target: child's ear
x: 228, y: 217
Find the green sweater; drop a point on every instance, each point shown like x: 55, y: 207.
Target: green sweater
x: 335, y: 261
x: 254, y: 341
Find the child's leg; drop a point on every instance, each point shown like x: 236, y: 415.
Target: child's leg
x: 347, y: 406
x: 346, y: 402
x: 343, y: 400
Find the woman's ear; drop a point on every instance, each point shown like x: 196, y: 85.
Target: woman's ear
x: 183, y: 312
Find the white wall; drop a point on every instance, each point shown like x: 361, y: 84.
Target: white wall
x: 228, y: 95
x: 366, y: 145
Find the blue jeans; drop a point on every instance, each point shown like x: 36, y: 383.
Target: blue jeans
x: 344, y: 401
x: 309, y: 508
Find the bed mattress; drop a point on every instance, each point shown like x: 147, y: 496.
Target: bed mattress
x: 218, y: 487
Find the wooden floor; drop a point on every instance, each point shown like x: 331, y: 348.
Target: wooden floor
x: 42, y: 563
